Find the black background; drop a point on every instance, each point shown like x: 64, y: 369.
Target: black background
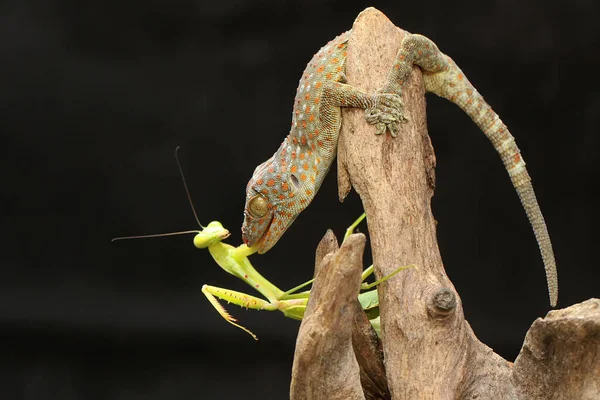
x: 97, y: 95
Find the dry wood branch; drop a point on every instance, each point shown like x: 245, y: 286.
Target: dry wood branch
x: 365, y: 342
x: 430, y: 350
x: 560, y: 358
x: 324, y: 363
x: 427, y: 344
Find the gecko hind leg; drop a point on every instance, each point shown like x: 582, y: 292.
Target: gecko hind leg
x: 414, y: 50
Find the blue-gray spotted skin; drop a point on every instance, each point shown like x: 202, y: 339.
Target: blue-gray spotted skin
x: 284, y: 185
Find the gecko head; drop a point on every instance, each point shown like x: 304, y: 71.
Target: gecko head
x: 267, y: 213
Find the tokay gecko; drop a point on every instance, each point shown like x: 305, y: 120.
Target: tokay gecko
x: 285, y: 184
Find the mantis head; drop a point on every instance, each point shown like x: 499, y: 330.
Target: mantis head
x: 211, y: 234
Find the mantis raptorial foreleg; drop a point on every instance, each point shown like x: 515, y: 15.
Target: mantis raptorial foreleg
x: 247, y: 301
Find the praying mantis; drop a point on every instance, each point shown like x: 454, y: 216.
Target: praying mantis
x: 234, y: 260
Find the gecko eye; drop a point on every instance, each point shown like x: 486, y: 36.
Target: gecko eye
x: 258, y: 206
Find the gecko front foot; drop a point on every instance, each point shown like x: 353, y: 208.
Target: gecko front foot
x: 387, y: 113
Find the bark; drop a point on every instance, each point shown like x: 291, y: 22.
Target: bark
x: 429, y: 348
x: 560, y: 358
x: 324, y: 364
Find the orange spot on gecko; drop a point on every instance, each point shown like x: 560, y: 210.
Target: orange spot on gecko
x: 317, y: 100
x: 318, y: 84
x: 335, y: 60
x: 284, y: 186
x: 311, y: 117
x: 305, y: 166
x: 294, y: 169
x: 304, y: 124
x: 307, y: 97
x: 460, y: 77
x: 303, y: 140
x: 517, y: 158
x: 339, y: 69
x: 264, y: 191
x: 345, y: 53
x: 302, y: 177
x: 259, y: 182
x: 291, y: 204
x: 320, y: 69
x: 328, y: 76
x: 274, y: 191
x: 290, y: 195
x: 309, y: 192
x: 293, y: 158
x: 271, y: 182
x: 302, y: 156
x: 312, y: 179
x: 281, y: 196
x: 313, y: 146
x: 316, y: 132
x: 271, y: 170
x: 295, y: 141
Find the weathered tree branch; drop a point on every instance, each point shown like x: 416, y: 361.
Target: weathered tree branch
x: 430, y: 350
x: 560, y: 358
x: 325, y: 366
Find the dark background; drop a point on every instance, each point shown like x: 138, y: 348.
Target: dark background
x: 97, y: 95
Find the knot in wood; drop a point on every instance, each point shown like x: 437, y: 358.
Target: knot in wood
x: 442, y: 303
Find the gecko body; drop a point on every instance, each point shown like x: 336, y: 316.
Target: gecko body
x: 285, y: 184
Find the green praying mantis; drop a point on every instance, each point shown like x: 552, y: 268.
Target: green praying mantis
x: 234, y: 260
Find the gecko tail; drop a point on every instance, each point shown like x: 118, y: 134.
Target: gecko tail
x: 532, y: 208
x: 453, y: 85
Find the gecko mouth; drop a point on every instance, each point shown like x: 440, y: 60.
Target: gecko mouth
x: 261, y: 244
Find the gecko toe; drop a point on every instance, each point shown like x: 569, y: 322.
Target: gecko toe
x: 387, y: 113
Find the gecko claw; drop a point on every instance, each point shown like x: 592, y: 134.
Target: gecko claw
x: 387, y: 113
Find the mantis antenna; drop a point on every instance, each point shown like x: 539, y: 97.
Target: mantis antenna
x: 187, y: 192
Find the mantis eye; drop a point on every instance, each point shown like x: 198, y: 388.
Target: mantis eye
x: 258, y: 206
